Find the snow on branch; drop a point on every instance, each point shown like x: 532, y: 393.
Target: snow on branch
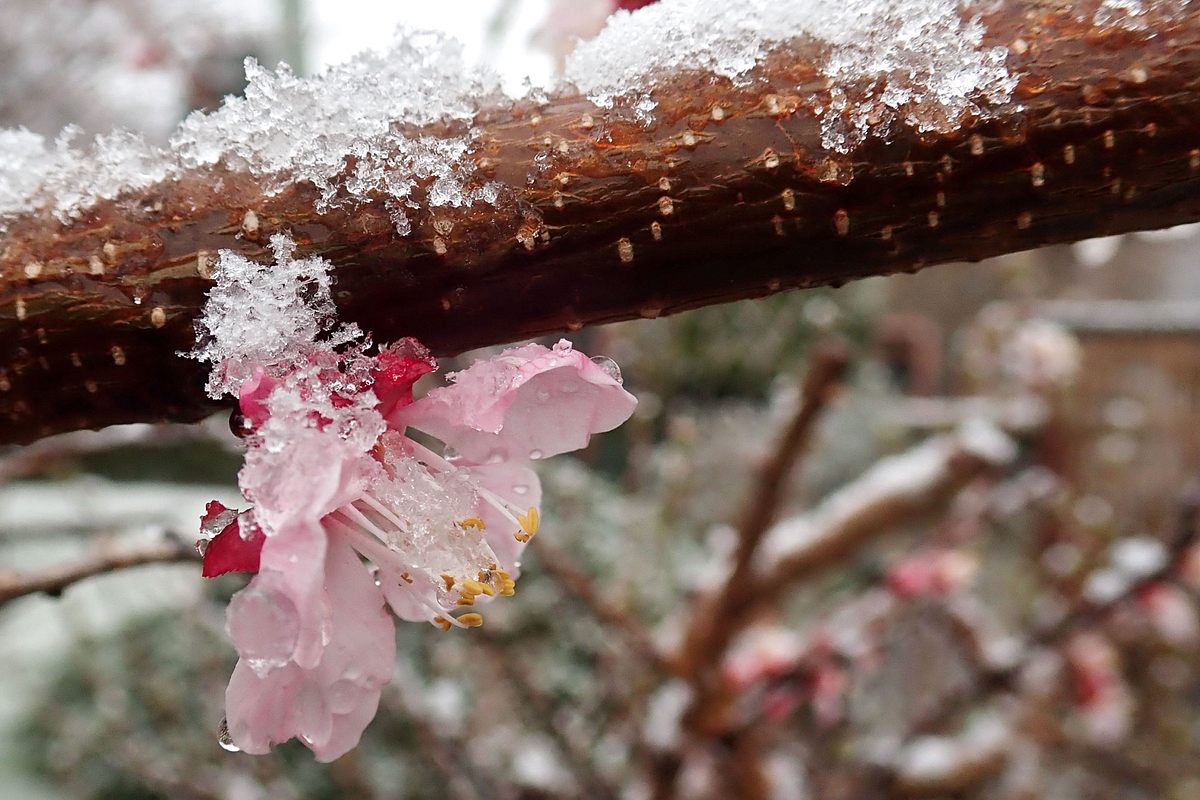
x: 897, y: 487
x: 704, y: 154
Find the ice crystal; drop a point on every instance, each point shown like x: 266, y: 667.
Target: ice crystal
x: 266, y: 314
x: 917, y: 62
x: 64, y: 178
x: 288, y: 129
x: 349, y: 131
x: 360, y: 132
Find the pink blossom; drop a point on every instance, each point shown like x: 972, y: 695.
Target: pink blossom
x: 930, y: 573
x: 335, y: 480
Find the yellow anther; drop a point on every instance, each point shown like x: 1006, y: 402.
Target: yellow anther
x: 477, y: 588
x: 529, y: 521
x: 404, y: 576
x: 507, y: 586
x: 449, y: 580
x: 522, y: 537
x: 442, y: 623
x: 474, y: 522
x: 471, y: 620
x: 466, y: 599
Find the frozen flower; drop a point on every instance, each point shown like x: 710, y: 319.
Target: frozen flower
x: 353, y: 520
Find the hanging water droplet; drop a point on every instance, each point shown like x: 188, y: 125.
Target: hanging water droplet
x: 224, y: 739
x: 535, y: 454
x: 449, y: 453
x: 609, y: 366
x: 239, y: 425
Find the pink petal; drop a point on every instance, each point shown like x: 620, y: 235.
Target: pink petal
x: 295, y: 559
x: 316, y: 474
x: 527, y: 403
x: 328, y: 706
x: 230, y: 551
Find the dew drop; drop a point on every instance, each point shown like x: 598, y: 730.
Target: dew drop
x: 521, y: 489
x: 609, y: 366
x: 239, y: 425
x: 224, y: 739
x: 202, y: 547
x: 449, y: 453
x: 535, y: 454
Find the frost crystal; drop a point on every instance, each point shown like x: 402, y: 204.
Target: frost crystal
x: 1131, y: 15
x: 260, y: 314
x: 357, y: 132
x: 349, y: 131
x: 916, y: 62
x: 289, y: 129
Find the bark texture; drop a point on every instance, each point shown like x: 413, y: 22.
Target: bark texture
x: 609, y: 220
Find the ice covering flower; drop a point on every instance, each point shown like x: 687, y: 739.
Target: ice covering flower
x: 353, y: 520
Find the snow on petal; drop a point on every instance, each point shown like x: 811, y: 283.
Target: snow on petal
x: 529, y: 402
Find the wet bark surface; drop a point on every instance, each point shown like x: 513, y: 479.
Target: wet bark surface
x: 728, y: 194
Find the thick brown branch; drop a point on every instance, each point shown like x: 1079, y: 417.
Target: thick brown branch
x: 605, y: 219
x: 55, y: 580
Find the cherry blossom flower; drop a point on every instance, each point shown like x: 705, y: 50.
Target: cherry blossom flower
x: 352, y: 519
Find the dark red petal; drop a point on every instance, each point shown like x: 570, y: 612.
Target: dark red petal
x: 253, y: 394
x: 229, y: 551
x: 633, y: 5
x: 399, y: 367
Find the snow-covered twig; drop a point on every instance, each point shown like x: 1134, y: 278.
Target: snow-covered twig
x: 54, y: 580
x: 20, y: 462
x: 897, y: 488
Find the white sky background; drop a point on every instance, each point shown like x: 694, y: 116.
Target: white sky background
x: 337, y: 29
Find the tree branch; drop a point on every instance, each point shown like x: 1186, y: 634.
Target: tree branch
x: 606, y: 219
x: 55, y: 580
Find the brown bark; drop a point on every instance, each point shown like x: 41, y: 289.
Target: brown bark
x: 607, y: 220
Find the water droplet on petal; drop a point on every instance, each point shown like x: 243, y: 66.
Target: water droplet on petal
x: 609, y: 366
x: 224, y: 739
x: 543, y: 395
x: 535, y: 454
x: 449, y: 453
x: 521, y: 489
x: 202, y: 546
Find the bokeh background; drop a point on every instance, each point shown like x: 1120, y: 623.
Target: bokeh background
x: 1033, y: 633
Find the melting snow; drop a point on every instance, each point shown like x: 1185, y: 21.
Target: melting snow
x: 352, y: 130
